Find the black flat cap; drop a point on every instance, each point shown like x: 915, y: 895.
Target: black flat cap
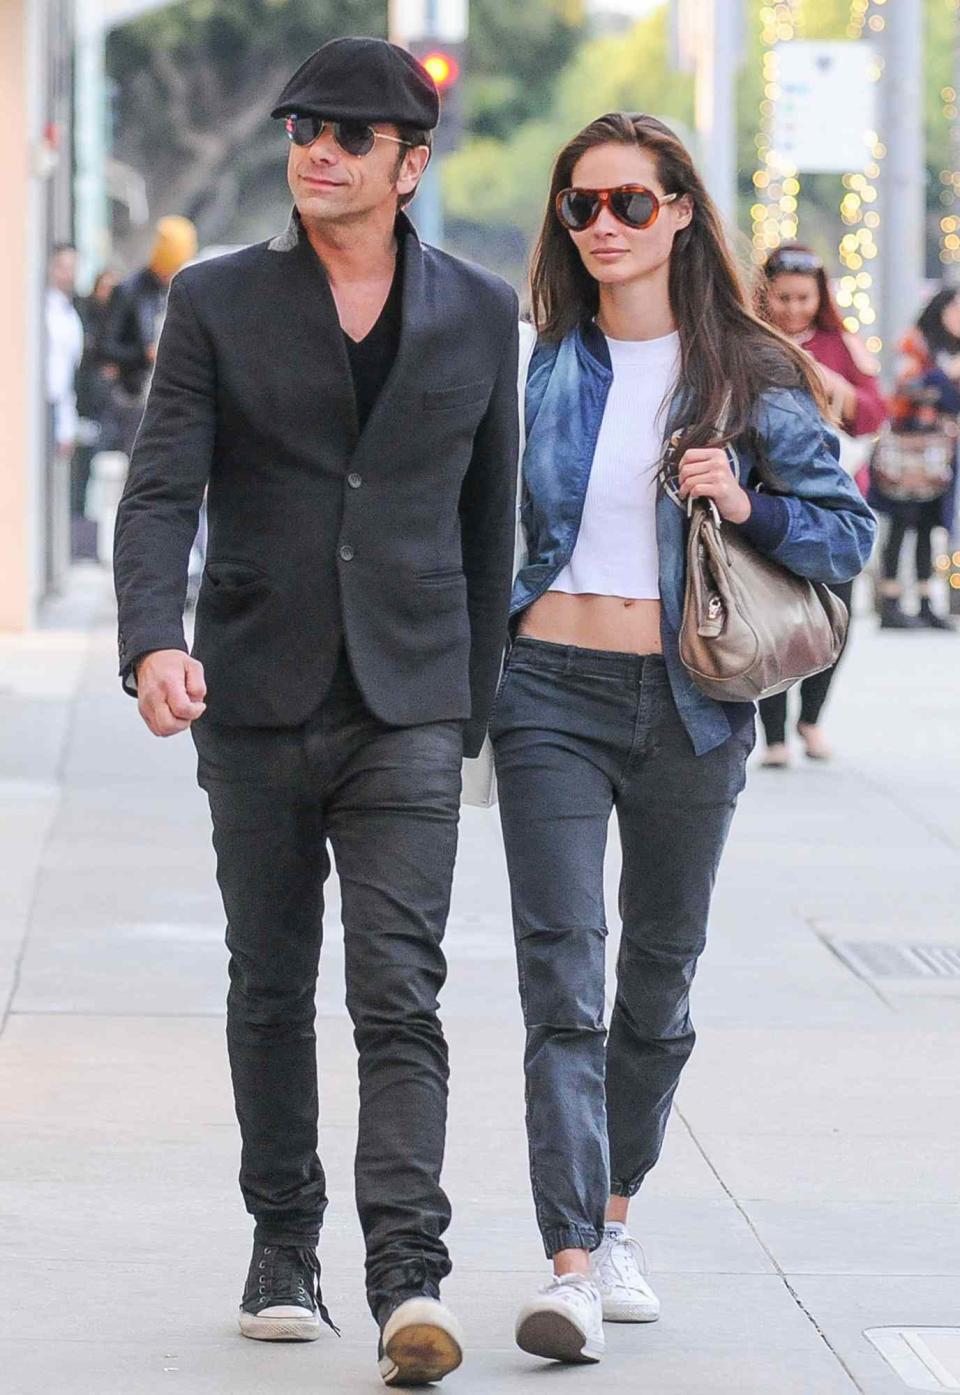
x: 362, y: 80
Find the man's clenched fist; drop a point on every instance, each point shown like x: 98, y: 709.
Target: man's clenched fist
x: 171, y: 689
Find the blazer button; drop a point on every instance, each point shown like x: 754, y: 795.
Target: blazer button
x: 354, y: 480
x: 346, y: 553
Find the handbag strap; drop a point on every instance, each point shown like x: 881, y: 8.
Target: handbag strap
x: 666, y: 479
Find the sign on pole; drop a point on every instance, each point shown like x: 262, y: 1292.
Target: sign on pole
x: 825, y: 115
x: 443, y: 20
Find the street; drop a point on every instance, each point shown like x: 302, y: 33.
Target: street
x: 808, y: 1190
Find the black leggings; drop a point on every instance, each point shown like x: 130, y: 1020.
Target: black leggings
x: 924, y: 518
x: 813, y: 691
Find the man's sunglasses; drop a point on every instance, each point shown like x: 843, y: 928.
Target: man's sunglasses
x: 353, y: 137
x: 631, y: 204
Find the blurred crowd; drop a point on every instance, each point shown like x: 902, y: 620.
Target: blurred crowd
x: 100, y: 353
x: 901, y: 447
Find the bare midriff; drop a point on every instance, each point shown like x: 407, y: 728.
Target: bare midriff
x: 615, y: 623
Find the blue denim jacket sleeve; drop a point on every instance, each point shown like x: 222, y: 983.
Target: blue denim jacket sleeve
x: 815, y: 522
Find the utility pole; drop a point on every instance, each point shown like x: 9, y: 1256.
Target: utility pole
x: 435, y: 32
x: 707, y: 41
x: 90, y: 144
x: 718, y: 59
x: 902, y: 249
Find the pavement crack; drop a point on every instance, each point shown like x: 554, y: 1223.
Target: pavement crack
x: 909, y: 808
x: 784, y: 1278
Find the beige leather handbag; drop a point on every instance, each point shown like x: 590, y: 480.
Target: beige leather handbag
x: 750, y: 627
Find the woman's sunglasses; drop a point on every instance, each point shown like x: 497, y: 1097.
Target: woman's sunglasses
x: 353, y: 137
x: 631, y: 204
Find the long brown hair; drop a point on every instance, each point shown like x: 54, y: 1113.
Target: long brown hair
x: 727, y: 352
x: 828, y: 314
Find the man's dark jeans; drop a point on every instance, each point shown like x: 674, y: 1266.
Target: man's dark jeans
x: 387, y: 801
x: 577, y: 733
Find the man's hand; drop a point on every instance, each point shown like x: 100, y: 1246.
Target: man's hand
x: 706, y: 474
x: 171, y: 689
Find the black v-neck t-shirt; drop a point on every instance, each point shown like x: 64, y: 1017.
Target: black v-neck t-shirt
x: 372, y: 358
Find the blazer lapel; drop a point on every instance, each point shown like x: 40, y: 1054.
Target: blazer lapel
x: 391, y: 406
x: 316, y: 369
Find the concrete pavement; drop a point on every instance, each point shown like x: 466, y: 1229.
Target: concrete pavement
x: 809, y: 1187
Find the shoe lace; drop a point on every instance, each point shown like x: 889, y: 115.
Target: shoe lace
x: 626, y: 1257
x: 292, y: 1272
x: 575, y: 1289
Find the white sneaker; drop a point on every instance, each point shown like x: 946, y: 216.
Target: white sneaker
x: 565, y: 1322
x: 618, y: 1271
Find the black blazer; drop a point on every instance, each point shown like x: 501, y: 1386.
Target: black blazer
x: 398, y: 541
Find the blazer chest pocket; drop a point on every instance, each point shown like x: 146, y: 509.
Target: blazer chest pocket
x: 462, y: 395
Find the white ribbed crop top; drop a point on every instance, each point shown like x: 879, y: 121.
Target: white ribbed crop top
x: 616, y: 548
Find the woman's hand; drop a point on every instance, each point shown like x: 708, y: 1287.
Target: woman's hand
x: 843, y: 398
x: 706, y: 474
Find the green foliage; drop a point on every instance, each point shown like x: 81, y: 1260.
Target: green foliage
x: 505, y: 182
x: 194, y: 82
x: 516, y: 51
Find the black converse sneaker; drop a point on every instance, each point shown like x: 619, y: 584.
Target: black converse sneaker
x: 420, y: 1341
x: 282, y: 1300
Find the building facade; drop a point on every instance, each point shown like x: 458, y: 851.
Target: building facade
x: 35, y: 155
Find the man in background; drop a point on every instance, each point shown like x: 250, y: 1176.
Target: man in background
x: 133, y: 325
x: 64, y: 331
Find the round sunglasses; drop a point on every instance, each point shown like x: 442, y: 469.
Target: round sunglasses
x: 353, y: 137
x: 632, y: 204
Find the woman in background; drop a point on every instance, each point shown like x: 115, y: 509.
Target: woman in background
x: 795, y: 296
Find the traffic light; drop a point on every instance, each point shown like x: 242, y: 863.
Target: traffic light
x: 443, y: 68
x: 444, y: 62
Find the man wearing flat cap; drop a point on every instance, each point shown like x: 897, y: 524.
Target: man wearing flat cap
x: 348, y: 398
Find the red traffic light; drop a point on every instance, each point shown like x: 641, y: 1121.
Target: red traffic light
x: 442, y: 67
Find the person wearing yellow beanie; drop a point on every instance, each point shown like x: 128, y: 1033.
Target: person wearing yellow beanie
x: 175, y: 245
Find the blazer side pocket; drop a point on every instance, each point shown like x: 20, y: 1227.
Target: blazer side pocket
x: 462, y: 395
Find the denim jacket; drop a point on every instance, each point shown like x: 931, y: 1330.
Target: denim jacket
x: 819, y: 526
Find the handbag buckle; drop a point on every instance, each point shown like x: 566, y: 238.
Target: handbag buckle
x: 711, y: 503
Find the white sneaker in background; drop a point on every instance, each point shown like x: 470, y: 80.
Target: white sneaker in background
x: 618, y: 1271
x: 564, y: 1322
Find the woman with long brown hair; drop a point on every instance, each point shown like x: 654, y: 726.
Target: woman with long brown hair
x: 794, y: 295
x: 645, y: 335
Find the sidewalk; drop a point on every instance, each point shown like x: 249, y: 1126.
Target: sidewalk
x: 809, y: 1188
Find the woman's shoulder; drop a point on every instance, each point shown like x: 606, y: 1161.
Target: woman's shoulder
x: 783, y: 410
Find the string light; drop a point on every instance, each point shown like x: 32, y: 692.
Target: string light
x: 774, y: 212
x: 858, y: 211
x: 950, y: 179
